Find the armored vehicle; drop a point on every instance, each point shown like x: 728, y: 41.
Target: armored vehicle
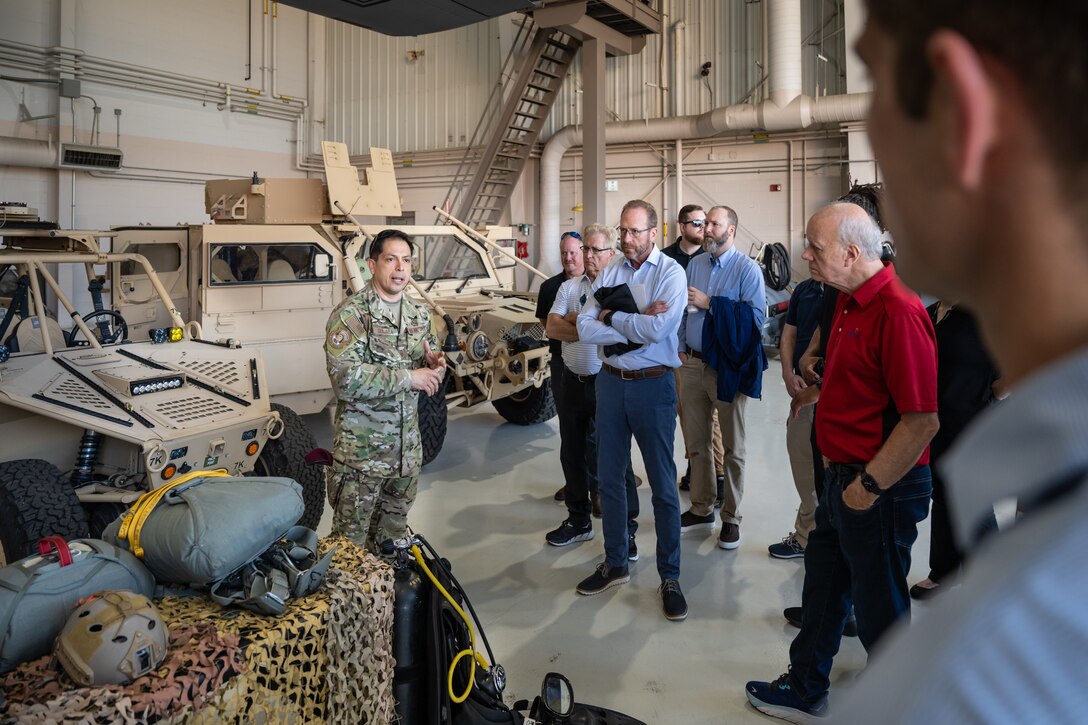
x: 93, y: 417
x: 281, y: 254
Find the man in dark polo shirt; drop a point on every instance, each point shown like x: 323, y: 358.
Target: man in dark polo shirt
x: 877, y: 414
x: 570, y: 256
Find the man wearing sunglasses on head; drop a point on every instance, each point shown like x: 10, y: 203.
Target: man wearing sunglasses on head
x: 570, y: 256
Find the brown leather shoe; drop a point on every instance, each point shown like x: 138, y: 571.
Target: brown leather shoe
x: 596, y: 499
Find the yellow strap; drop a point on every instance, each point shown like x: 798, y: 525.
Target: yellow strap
x: 133, y: 520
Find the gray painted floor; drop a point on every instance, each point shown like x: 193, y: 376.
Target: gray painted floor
x: 486, y: 502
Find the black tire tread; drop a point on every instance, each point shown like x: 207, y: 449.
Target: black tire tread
x: 433, y: 423
x: 535, y: 407
x: 285, y: 456
x: 36, y: 501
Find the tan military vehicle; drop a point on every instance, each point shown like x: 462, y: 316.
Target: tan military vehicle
x: 282, y: 254
x: 93, y: 417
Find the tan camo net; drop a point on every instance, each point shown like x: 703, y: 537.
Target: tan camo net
x: 327, y: 659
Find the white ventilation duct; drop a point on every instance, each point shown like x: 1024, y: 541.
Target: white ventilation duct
x: 27, y: 152
x: 786, y: 110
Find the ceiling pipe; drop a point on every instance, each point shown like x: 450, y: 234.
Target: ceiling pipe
x: 777, y: 113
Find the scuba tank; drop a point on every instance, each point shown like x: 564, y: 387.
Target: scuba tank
x: 440, y: 677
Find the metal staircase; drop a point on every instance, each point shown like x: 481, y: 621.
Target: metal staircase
x: 488, y: 173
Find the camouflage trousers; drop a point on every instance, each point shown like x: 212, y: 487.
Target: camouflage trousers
x: 367, y: 509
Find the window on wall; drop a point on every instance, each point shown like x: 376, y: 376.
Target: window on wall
x: 235, y: 264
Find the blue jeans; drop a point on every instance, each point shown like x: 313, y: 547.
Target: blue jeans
x: 578, y: 451
x: 645, y: 409
x: 855, y: 557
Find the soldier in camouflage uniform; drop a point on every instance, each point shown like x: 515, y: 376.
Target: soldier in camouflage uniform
x: 380, y: 354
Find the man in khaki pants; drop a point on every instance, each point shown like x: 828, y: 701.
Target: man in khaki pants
x: 727, y: 273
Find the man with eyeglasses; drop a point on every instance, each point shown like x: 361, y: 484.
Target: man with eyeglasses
x: 570, y: 257
x: 636, y: 396
x: 689, y: 244
x: 577, y: 416
x: 724, y: 278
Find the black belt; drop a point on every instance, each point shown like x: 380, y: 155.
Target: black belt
x: 695, y: 354
x: 654, y: 372
x: 580, y: 378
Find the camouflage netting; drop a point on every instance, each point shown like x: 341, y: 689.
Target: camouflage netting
x: 327, y: 659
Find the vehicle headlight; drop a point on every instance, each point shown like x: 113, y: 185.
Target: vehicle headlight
x: 478, y: 346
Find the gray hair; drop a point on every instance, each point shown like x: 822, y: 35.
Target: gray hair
x: 859, y: 229
x: 610, y: 233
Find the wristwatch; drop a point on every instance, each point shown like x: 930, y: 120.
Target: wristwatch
x: 608, y: 318
x: 869, y: 484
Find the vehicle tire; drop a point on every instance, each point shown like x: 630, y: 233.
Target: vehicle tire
x: 285, y: 456
x: 527, y: 407
x: 433, y: 417
x: 101, y: 515
x: 36, y: 501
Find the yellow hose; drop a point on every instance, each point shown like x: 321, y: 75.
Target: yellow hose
x: 471, y: 651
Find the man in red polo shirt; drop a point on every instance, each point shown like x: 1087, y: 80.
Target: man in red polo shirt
x: 877, y: 414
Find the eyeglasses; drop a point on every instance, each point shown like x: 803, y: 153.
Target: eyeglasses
x: 596, y: 250
x: 697, y: 223
x: 576, y: 235
x: 624, y: 232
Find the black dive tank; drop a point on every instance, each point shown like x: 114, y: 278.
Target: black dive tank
x: 410, y: 647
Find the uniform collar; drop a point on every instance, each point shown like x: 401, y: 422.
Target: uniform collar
x: 721, y: 259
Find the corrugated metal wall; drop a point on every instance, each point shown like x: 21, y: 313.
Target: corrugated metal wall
x: 378, y: 97
x: 728, y: 33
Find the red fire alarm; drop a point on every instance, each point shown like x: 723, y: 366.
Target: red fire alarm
x: 522, y: 250
x: 776, y: 187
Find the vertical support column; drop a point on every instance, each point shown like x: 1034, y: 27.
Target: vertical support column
x: 862, y: 167
x: 593, y: 144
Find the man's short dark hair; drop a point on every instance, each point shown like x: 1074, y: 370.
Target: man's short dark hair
x: 686, y: 211
x: 378, y: 243
x: 1045, y: 45
x: 651, y: 213
x: 731, y: 214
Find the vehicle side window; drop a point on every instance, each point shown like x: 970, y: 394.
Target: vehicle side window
x: 234, y: 264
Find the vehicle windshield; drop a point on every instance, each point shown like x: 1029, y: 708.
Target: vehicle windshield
x: 440, y: 256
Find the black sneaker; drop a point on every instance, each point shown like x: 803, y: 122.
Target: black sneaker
x: 672, y: 600
x: 685, y: 480
x: 569, y: 533
x: 632, y: 548
x: 690, y: 521
x: 793, y: 616
x: 779, y: 699
x: 719, y: 494
x: 561, y: 494
x: 605, y: 577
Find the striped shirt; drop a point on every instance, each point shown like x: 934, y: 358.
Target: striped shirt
x: 579, y: 357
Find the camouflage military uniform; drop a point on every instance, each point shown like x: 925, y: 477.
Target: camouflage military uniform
x: 377, y: 449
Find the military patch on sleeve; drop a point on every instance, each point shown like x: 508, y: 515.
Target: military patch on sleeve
x: 339, y: 338
x: 354, y: 324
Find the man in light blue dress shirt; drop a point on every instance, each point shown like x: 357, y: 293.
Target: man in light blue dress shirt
x: 724, y: 272
x: 636, y: 396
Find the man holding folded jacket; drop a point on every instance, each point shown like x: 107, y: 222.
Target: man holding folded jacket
x: 723, y: 365
x: 636, y: 396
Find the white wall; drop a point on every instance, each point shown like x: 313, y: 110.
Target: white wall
x: 170, y: 144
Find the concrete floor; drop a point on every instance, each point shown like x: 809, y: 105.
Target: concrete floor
x: 486, y: 502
